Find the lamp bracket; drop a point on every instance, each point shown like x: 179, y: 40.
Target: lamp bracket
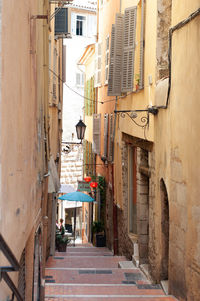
x: 139, y: 117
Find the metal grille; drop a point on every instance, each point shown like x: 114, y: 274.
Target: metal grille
x: 21, y: 276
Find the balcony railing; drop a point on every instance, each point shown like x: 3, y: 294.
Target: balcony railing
x: 14, y: 267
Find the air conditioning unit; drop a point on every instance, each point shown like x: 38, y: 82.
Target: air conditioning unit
x: 62, y: 22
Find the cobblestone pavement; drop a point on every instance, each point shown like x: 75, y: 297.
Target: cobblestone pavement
x: 93, y: 274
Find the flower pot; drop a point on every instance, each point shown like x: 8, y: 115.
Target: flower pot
x: 62, y: 247
x: 100, y: 240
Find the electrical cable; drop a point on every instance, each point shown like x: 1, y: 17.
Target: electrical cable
x: 96, y: 101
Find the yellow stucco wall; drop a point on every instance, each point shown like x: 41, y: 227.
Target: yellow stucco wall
x: 177, y: 157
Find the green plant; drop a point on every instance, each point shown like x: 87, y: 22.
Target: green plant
x: 137, y: 78
x: 97, y: 227
x: 62, y: 239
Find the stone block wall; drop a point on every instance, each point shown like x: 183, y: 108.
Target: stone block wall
x: 142, y: 206
x: 72, y: 166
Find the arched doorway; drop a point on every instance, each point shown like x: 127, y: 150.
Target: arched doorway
x: 164, y: 231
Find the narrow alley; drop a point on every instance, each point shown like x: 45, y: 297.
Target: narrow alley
x: 85, y: 272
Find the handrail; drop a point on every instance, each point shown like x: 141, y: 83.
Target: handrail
x: 15, y: 266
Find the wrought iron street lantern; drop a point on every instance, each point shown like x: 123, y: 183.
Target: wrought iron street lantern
x: 80, y: 130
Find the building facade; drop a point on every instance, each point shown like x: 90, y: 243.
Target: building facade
x: 30, y: 144
x: 147, y: 115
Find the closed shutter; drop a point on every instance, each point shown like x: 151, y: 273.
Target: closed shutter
x: 111, y: 65
x: 129, y: 48
x: 97, y: 133
x: 61, y: 21
x: 105, y: 152
x: 110, y: 147
x: 141, y: 82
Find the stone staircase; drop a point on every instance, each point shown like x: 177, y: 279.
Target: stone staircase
x: 90, y: 273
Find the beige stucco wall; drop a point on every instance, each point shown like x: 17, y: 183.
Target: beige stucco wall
x: 22, y: 113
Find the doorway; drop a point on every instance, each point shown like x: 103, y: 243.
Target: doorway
x: 164, y: 230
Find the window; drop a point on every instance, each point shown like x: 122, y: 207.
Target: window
x: 80, y: 79
x: 107, y: 60
x: 78, y: 24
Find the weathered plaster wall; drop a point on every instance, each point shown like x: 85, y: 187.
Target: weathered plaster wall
x: 23, y: 115
x: 185, y: 145
x: 163, y: 25
x: 175, y: 159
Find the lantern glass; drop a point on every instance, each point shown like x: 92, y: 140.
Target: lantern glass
x: 80, y: 129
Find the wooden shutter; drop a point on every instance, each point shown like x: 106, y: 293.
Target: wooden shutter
x: 97, y: 133
x: 97, y: 64
x: 116, y: 52
x: 105, y: 152
x: 111, y: 65
x: 129, y: 48
x: 110, y: 147
x: 107, y: 59
x: 141, y: 82
x: 61, y: 21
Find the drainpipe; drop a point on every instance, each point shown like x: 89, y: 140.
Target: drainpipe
x: 115, y: 225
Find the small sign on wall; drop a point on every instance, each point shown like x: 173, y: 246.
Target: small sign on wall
x: 83, y: 186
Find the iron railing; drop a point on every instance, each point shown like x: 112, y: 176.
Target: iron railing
x: 15, y: 266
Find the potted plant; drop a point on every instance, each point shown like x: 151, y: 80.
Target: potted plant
x: 61, y: 242
x: 99, y: 234
x: 137, y: 79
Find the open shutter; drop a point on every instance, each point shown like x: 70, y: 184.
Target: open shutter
x: 97, y: 64
x: 97, y: 133
x: 129, y: 48
x: 116, y: 52
x: 91, y: 26
x: 73, y: 23
x: 111, y: 65
x: 107, y: 59
x: 141, y: 82
x: 110, y: 147
x: 105, y: 152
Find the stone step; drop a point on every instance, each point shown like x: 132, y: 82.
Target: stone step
x: 95, y: 276
x: 109, y: 297
x: 106, y: 290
